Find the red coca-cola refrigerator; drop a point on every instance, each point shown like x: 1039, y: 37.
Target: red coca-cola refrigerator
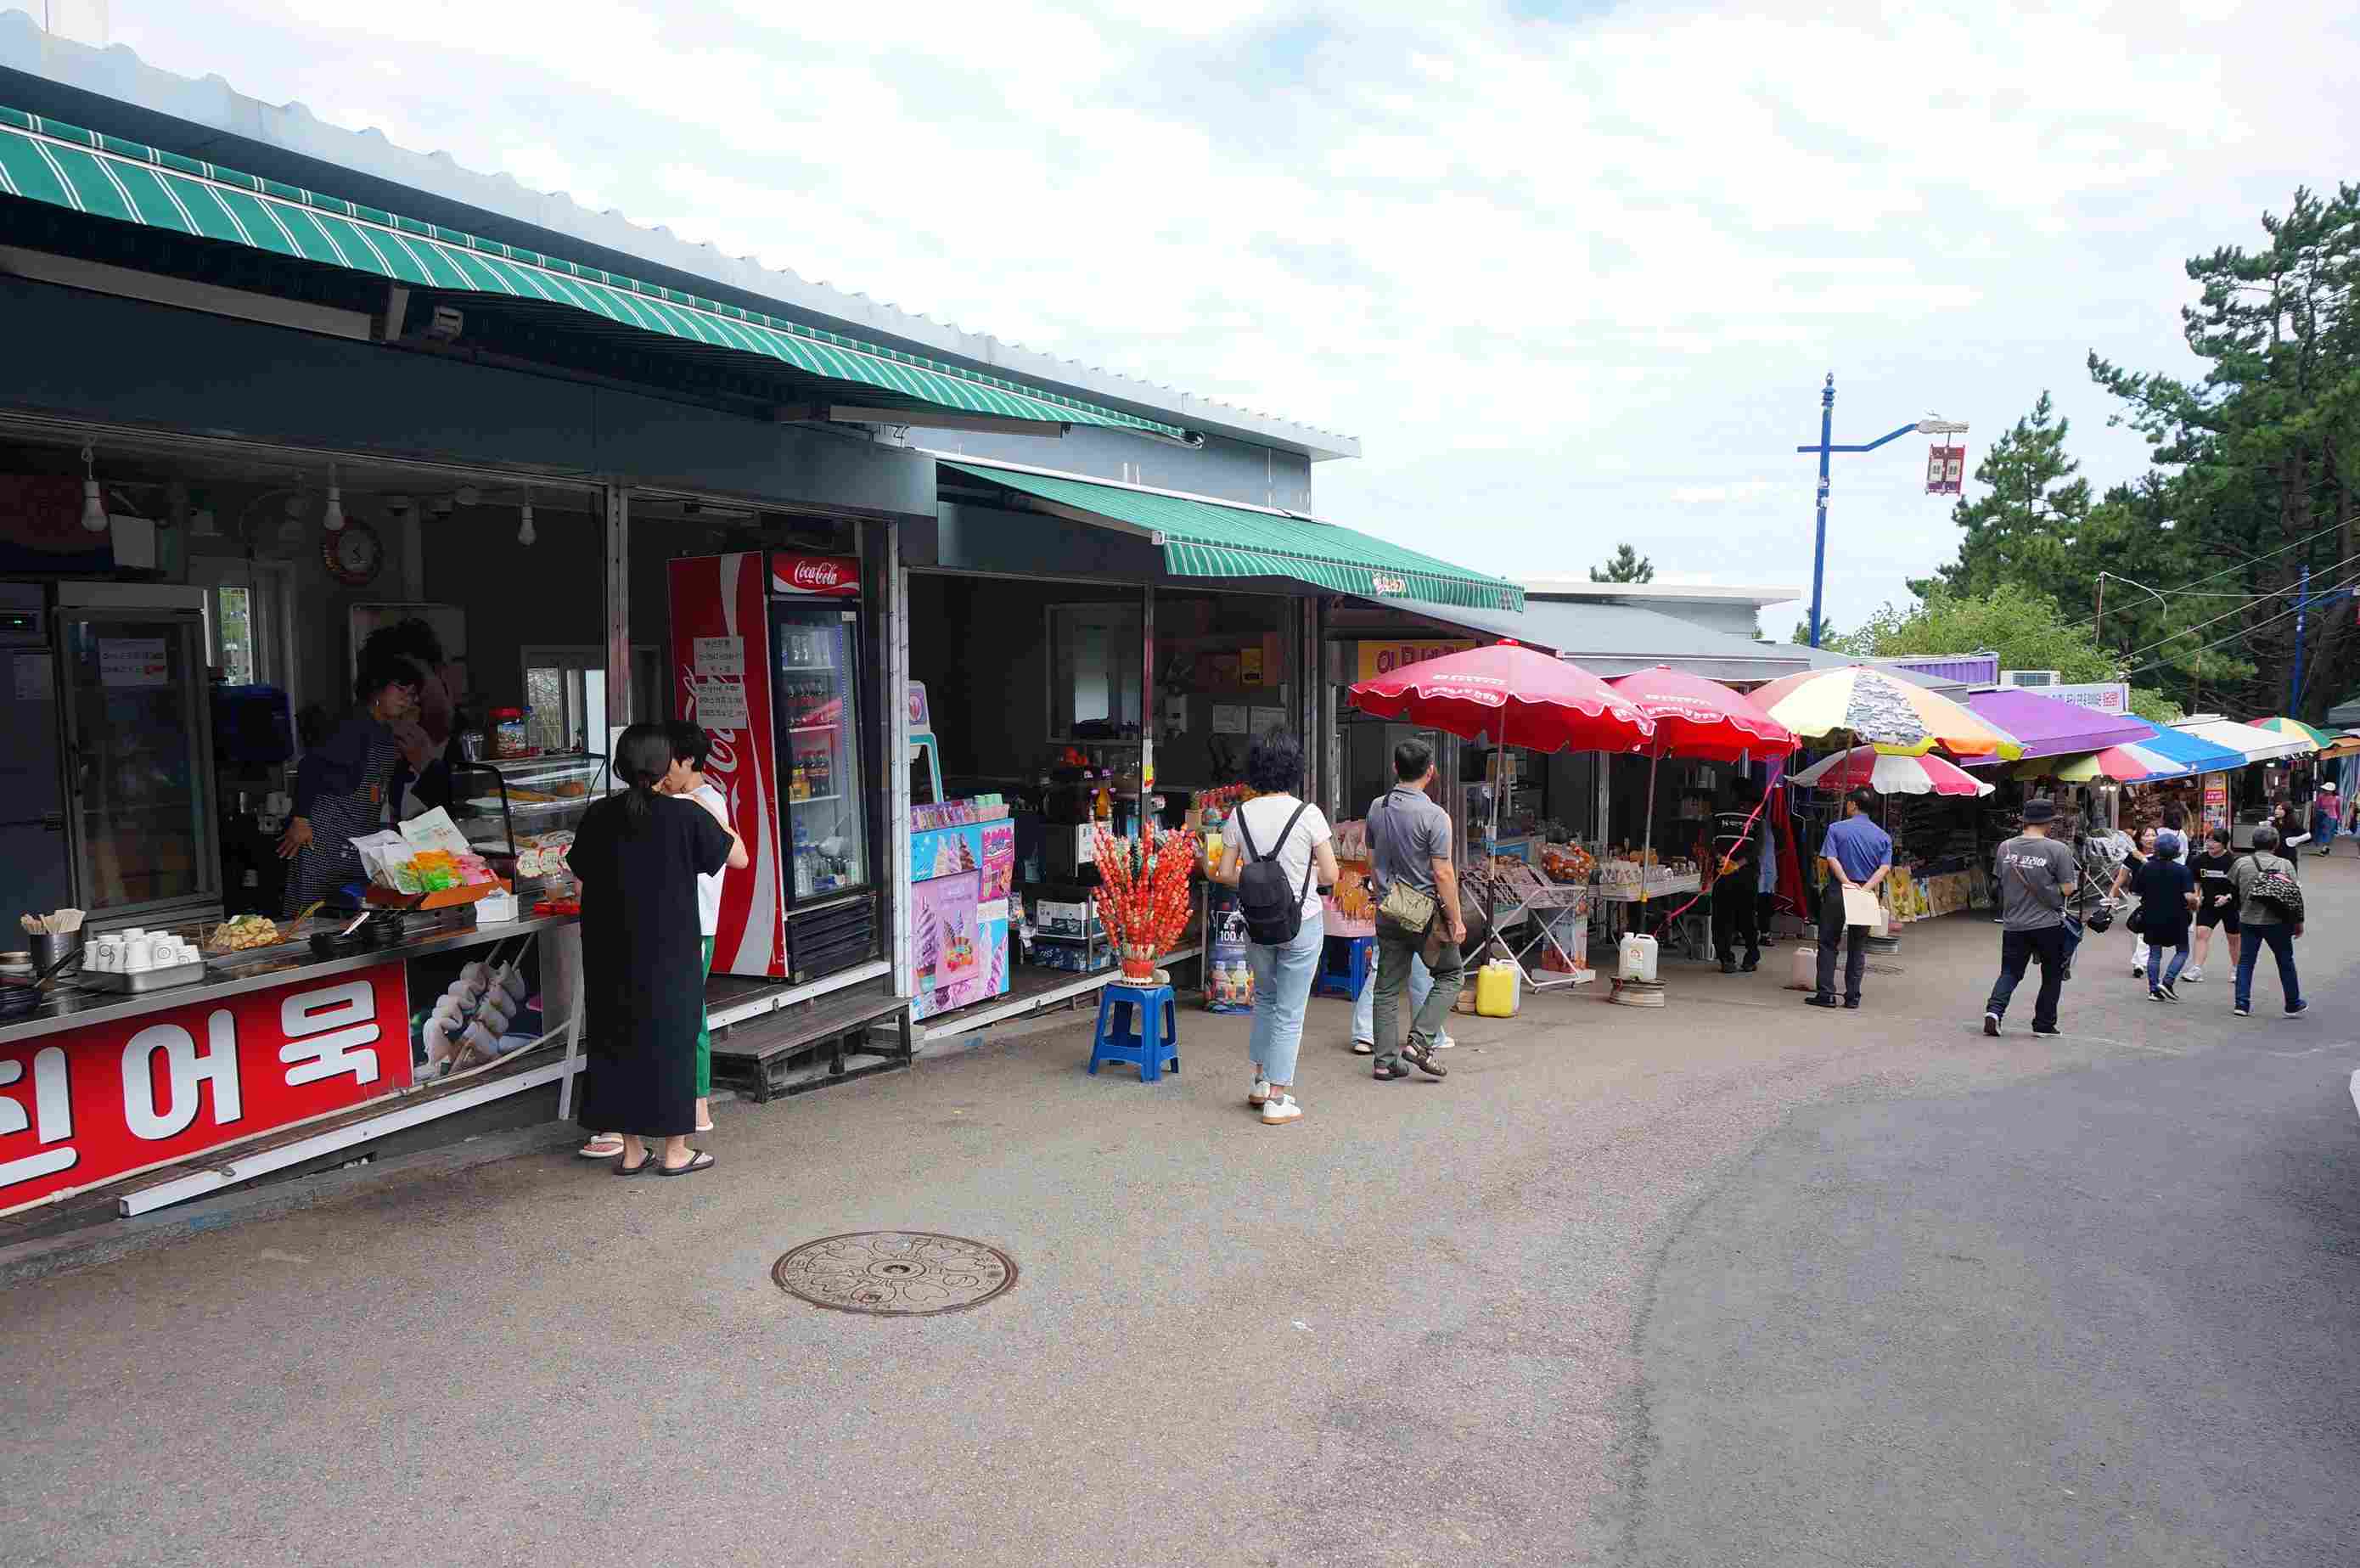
x: 766, y: 650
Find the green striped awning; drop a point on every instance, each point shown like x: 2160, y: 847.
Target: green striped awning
x: 1204, y: 538
x: 65, y: 166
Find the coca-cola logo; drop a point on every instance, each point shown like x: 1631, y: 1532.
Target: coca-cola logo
x: 814, y: 575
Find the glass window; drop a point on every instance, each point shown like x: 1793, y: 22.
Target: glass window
x: 1094, y: 671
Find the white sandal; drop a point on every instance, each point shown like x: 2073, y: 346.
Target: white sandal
x: 598, y: 1148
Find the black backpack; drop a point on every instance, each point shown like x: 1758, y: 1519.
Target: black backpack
x: 1272, y: 911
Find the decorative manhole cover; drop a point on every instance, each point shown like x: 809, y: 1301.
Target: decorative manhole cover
x: 899, y: 1273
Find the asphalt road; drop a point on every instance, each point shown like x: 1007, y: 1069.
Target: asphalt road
x: 1733, y: 1282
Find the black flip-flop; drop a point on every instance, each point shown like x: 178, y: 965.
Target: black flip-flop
x: 622, y: 1167
x: 697, y: 1160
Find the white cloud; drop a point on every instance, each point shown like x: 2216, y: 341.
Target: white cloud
x: 1572, y: 281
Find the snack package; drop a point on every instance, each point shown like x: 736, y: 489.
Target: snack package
x: 434, y: 831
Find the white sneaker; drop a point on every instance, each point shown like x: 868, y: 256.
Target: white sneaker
x: 1364, y: 1047
x: 1258, y: 1095
x: 2191, y: 975
x: 1281, y: 1109
x: 1443, y: 1042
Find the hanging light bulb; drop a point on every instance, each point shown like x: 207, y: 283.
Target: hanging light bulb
x: 93, y: 510
x: 332, y: 520
x: 525, y: 534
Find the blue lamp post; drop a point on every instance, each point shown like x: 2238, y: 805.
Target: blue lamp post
x: 1824, y: 448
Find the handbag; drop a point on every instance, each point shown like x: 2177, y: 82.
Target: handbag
x: 2136, y: 924
x: 1408, y: 911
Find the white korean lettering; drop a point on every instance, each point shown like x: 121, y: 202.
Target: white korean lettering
x: 187, y: 1069
x: 51, y: 1121
x: 324, y: 1029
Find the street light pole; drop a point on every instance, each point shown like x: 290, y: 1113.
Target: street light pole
x: 1825, y: 448
x: 1819, y: 534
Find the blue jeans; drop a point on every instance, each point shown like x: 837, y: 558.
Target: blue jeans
x: 2280, y: 937
x: 1281, y: 982
x: 2154, y: 964
x: 1364, y: 1006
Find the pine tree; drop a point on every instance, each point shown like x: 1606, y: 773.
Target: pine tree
x: 2024, y: 528
x: 2267, y: 449
x: 1626, y: 566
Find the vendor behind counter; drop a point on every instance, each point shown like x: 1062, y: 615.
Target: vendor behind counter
x: 378, y: 766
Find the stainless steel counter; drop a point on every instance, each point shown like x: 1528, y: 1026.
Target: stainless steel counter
x: 71, y: 1007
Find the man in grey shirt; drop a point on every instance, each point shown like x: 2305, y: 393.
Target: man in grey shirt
x: 2266, y: 925
x: 1409, y: 842
x: 2036, y: 878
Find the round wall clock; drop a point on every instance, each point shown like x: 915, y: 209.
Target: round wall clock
x: 355, y: 554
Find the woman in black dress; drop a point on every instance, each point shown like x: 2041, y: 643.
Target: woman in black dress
x: 638, y: 856
x: 355, y: 784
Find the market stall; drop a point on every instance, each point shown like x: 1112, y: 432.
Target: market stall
x: 1881, y: 720
x: 1514, y: 697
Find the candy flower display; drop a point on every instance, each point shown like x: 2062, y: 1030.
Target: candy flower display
x: 1144, y: 900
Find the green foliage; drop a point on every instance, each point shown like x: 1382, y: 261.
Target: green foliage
x: 1626, y: 566
x: 1802, y: 638
x: 2187, y: 577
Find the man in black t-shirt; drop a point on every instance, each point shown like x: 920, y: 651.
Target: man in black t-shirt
x: 1737, y: 866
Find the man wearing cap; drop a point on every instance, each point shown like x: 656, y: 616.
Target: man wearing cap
x: 2036, y: 878
x: 1858, y: 854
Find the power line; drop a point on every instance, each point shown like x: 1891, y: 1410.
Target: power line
x: 2248, y: 630
x: 2247, y: 560
x: 2223, y: 615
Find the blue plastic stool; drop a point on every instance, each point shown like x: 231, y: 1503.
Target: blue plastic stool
x: 1127, y: 1012
x: 1345, y: 979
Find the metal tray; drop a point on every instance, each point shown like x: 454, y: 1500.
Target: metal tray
x: 140, y: 979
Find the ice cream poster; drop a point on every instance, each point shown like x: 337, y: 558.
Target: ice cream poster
x: 947, y: 943
x: 998, y: 859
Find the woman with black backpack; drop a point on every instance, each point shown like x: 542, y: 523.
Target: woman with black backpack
x: 1279, y: 853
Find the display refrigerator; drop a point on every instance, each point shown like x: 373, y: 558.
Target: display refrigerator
x: 106, y: 790
x: 768, y: 654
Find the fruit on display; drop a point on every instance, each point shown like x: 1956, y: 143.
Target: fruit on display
x: 1144, y: 902
x: 1568, y: 863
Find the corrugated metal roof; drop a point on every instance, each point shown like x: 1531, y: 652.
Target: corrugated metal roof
x: 67, y: 167
x: 55, y: 74
x: 1828, y: 658
x: 1976, y: 669
x: 1620, y: 639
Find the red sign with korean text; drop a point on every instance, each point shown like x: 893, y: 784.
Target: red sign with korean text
x: 830, y: 577
x: 81, y: 1108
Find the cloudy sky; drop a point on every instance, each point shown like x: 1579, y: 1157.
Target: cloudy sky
x: 1572, y: 273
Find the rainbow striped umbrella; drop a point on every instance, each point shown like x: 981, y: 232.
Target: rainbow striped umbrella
x: 1891, y: 773
x: 1886, y: 711
x: 2296, y: 729
x: 2130, y: 764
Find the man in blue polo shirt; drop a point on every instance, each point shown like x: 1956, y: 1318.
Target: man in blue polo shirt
x: 1859, y: 854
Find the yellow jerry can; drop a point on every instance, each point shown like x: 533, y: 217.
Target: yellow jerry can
x: 1498, y: 989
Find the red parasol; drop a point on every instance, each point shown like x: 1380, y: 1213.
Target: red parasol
x: 1698, y: 717
x: 1510, y: 695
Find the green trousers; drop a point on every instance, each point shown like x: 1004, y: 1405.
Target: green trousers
x: 704, y: 1035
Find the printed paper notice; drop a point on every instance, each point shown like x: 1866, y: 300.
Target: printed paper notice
x: 132, y: 662
x: 1862, y: 909
x: 720, y: 656
x: 35, y: 678
x: 1228, y: 719
x: 721, y: 705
